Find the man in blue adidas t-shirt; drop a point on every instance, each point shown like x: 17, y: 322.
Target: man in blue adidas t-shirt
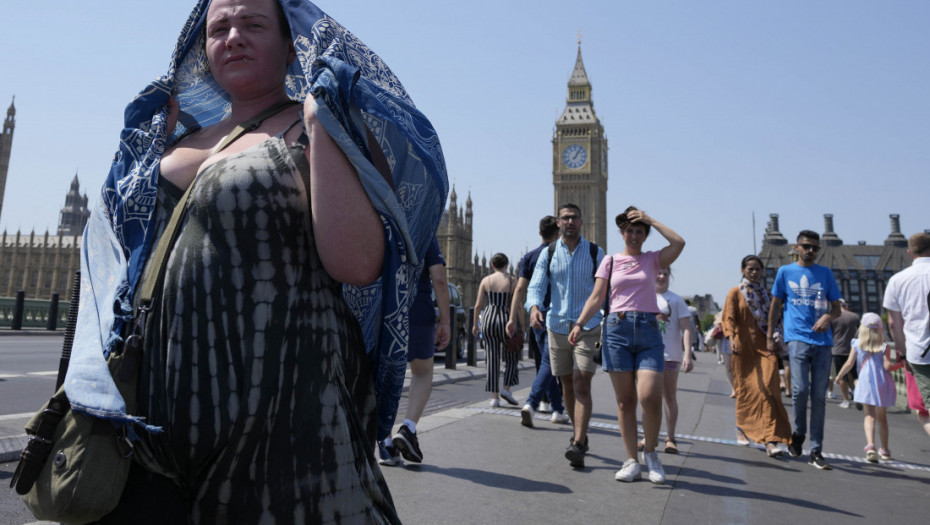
x: 811, y: 299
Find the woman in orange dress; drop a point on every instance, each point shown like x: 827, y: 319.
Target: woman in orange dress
x: 760, y: 415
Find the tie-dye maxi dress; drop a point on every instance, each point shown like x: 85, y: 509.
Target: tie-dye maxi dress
x: 259, y: 375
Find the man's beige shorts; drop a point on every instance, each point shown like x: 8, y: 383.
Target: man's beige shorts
x: 564, y: 357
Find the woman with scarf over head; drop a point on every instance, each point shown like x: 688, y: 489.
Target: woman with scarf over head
x: 255, y: 367
x: 760, y: 415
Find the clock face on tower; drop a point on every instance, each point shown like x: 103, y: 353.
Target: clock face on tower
x: 574, y: 156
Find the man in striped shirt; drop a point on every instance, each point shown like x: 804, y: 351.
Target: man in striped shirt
x: 570, y: 278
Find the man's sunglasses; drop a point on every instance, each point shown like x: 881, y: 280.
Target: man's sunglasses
x: 811, y: 247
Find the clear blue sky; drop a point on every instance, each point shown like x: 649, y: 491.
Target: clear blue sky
x: 713, y: 110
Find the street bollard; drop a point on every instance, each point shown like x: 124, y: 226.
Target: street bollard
x: 53, y: 313
x: 452, y: 351
x: 18, y: 310
x: 472, y: 350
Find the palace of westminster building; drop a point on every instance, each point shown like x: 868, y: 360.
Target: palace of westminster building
x: 41, y: 265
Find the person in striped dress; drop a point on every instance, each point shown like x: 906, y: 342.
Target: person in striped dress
x: 493, y: 303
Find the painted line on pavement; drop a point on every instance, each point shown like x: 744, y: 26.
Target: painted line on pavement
x: 27, y: 415
x: 28, y: 374
x: 513, y: 412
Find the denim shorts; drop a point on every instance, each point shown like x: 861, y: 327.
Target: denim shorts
x: 633, y: 342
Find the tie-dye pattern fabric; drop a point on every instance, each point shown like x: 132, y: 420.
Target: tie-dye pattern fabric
x: 258, y: 373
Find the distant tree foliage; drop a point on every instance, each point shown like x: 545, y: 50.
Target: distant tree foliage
x: 706, y: 322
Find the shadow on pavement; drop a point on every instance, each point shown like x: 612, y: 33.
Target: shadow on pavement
x: 784, y: 463
x: 495, y: 479
x: 728, y: 491
x: 876, y: 471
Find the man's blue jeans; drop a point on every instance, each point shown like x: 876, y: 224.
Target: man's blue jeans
x: 545, y: 381
x: 810, y: 375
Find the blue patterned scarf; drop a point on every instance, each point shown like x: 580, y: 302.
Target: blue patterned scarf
x: 356, y: 92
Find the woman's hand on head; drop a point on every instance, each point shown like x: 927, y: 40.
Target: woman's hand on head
x: 639, y: 216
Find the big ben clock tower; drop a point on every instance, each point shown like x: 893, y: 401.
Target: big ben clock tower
x: 579, y: 157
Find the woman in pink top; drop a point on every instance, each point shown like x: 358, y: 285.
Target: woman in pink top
x: 633, y: 353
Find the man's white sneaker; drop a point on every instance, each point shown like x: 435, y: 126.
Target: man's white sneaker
x: 654, y: 466
x: 544, y: 407
x: 526, y: 416
x: 844, y: 404
x: 631, y: 471
x: 559, y: 417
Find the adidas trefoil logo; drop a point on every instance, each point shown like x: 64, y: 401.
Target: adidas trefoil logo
x: 804, y: 289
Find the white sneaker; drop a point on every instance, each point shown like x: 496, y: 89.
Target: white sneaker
x: 844, y: 404
x: 654, y: 466
x: 544, y: 407
x: 495, y: 403
x: 559, y: 417
x: 631, y: 471
x: 526, y: 416
x: 508, y: 397
x: 830, y: 395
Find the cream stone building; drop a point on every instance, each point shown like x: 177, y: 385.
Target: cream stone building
x: 579, y: 157
x: 41, y: 265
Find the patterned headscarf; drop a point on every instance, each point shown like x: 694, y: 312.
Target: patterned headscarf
x: 759, y: 300
x: 356, y: 92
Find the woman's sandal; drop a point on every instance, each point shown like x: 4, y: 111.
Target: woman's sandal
x: 671, y: 447
x: 870, y: 455
x: 772, y: 450
x: 741, y: 438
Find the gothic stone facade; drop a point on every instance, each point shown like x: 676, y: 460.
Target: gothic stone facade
x: 43, y: 265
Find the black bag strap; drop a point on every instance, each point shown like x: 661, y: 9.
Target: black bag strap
x: 69, y: 330
x: 610, y: 274
x: 253, y: 123
x: 928, y: 322
x: 592, y: 248
x: 39, y: 446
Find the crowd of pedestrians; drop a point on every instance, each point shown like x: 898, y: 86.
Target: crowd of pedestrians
x: 587, y: 309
